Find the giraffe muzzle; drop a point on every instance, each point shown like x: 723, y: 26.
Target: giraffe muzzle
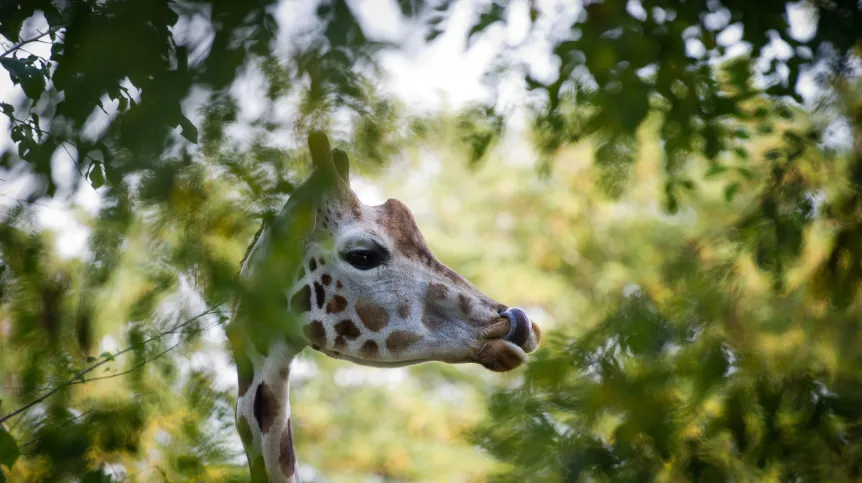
x: 521, y: 327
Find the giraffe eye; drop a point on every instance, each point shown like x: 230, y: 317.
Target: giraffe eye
x: 363, y: 259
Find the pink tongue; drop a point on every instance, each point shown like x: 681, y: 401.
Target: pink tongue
x: 519, y: 333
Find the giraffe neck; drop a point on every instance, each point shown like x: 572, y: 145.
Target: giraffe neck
x: 263, y: 415
x: 264, y: 349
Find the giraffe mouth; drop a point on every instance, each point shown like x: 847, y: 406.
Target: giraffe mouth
x: 507, y: 352
x: 520, y: 327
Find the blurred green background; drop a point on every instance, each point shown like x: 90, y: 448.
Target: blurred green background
x: 672, y: 189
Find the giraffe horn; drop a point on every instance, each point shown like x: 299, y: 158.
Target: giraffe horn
x: 321, y: 153
x: 342, y: 164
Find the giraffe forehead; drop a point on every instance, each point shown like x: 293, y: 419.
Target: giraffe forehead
x: 397, y: 222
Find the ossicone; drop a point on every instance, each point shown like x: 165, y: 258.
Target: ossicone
x: 325, y: 159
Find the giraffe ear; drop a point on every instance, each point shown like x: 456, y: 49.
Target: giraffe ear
x: 321, y: 153
x: 342, y: 164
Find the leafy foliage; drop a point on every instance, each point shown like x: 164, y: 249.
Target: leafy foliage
x: 733, y: 234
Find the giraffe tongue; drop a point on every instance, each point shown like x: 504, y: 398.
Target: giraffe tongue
x: 520, y: 330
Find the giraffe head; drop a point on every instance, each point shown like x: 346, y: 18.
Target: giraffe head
x: 371, y: 292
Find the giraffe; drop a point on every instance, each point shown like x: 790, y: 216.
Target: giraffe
x: 357, y: 283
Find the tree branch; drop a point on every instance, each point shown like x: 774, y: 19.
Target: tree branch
x: 142, y: 364
x: 79, y: 377
x: 27, y: 41
x: 28, y: 443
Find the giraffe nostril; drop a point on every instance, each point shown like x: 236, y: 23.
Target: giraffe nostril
x: 519, y: 333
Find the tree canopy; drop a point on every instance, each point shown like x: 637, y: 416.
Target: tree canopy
x: 683, y: 211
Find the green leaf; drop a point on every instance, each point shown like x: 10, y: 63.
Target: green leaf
x: 730, y: 192
x: 107, y: 355
x: 97, y: 179
x: 745, y: 172
x: 7, y: 108
x: 436, y: 19
x: 29, y: 76
x: 714, y: 170
x: 765, y: 128
x: 784, y: 112
x: 741, y: 133
x: 493, y: 16
x: 433, y: 34
x: 189, y: 131
x: 8, y: 449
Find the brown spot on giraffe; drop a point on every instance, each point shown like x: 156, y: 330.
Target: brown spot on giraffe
x: 284, y: 371
x: 322, y: 261
x: 315, y: 332
x: 404, y: 310
x: 437, y: 290
x: 340, y: 343
x: 369, y: 349
x: 326, y: 279
x: 320, y: 294
x: 286, y: 456
x: 338, y: 284
x: 347, y: 328
x: 464, y: 304
x: 244, y: 430
x: 301, y: 300
x: 336, y: 305
x: 312, y: 265
x: 400, y: 340
x: 266, y: 407
x: 372, y: 316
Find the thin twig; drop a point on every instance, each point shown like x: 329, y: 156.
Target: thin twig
x: 63, y: 145
x: 28, y: 443
x: 77, y: 166
x: 27, y: 41
x: 142, y: 364
x: 79, y: 377
x: 22, y: 49
x: 20, y: 201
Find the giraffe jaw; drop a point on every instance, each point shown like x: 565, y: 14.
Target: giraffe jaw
x: 495, y: 354
x: 372, y: 362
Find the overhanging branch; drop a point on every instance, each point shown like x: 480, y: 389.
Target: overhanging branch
x: 79, y: 377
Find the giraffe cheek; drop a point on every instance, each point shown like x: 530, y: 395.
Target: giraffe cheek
x: 400, y: 341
